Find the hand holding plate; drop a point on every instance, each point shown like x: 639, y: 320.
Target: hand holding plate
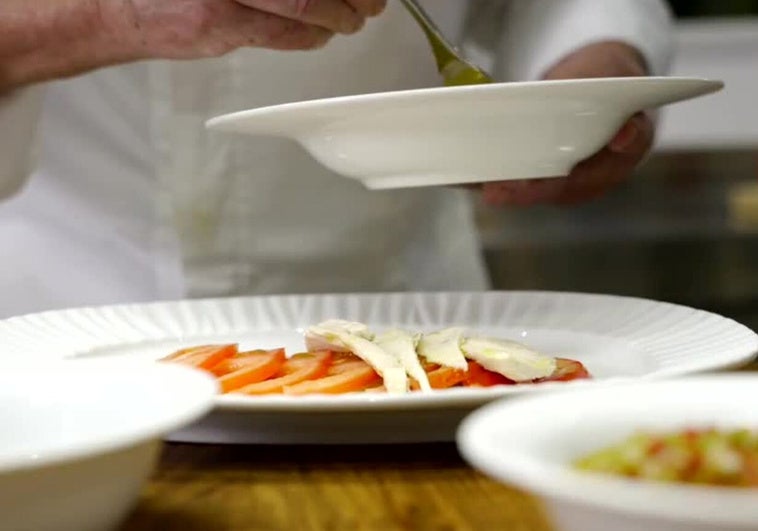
x: 609, y: 167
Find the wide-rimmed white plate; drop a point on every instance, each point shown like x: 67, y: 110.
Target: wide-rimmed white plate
x: 454, y: 135
x: 617, y: 338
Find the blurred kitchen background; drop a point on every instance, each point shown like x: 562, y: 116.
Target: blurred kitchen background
x: 685, y: 229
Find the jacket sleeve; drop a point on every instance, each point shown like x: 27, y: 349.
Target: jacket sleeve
x: 19, y: 114
x: 538, y: 33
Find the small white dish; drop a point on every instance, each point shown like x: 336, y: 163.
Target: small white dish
x: 530, y: 443
x: 78, y: 440
x: 456, y: 135
x: 617, y: 338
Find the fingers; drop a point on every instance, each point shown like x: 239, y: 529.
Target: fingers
x: 338, y: 16
x: 636, y: 136
x: 593, y: 177
x: 368, y: 8
x: 596, y: 175
x: 193, y: 29
x: 601, y: 59
x: 590, y: 179
x: 240, y: 26
x: 522, y: 193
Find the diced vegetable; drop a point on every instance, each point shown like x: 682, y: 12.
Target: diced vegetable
x: 714, y: 457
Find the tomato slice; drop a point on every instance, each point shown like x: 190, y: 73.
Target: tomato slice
x: 244, y: 359
x: 256, y: 369
x: 478, y: 376
x: 204, y: 357
x: 567, y: 370
x: 352, y: 379
x: 343, y: 357
x: 298, y: 368
x: 347, y: 366
x: 442, y: 377
x: 181, y: 353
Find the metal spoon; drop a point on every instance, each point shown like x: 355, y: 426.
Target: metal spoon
x: 455, y: 70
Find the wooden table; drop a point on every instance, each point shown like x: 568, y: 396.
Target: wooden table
x: 219, y: 488
x: 327, y: 488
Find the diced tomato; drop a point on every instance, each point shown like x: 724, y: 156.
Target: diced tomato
x: 442, y: 377
x: 567, y: 370
x: 478, y: 376
x: 257, y: 367
x: 298, y: 368
x: 243, y: 359
x: 355, y: 378
x: 656, y: 446
x: 205, y: 357
x: 751, y: 468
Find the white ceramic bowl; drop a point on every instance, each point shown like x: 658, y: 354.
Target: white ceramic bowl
x: 78, y: 441
x: 530, y: 443
x: 455, y: 135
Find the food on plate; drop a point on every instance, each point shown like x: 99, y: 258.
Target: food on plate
x: 402, y: 346
x: 508, y: 358
x: 709, y: 456
x: 345, y: 336
x: 346, y: 357
x: 444, y: 348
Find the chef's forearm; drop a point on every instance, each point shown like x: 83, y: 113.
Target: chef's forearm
x: 46, y: 39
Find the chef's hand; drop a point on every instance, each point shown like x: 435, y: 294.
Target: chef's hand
x: 188, y: 29
x: 596, y: 175
x: 48, y: 39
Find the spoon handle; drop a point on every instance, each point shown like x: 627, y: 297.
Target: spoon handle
x: 454, y: 69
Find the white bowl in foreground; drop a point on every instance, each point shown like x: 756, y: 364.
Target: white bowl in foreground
x: 530, y: 443
x: 78, y: 440
x: 454, y: 135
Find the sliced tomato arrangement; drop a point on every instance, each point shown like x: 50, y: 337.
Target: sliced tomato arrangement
x: 567, y: 370
x: 299, y: 368
x: 267, y: 372
x: 205, y: 356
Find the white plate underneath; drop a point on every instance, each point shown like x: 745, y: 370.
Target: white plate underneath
x: 617, y: 338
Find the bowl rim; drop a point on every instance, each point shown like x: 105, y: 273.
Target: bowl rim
x: 197, y: 390
x: 427, y: 94
x: 669, y: 501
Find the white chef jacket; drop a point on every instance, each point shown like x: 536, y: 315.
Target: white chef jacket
x: 131, y: 199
